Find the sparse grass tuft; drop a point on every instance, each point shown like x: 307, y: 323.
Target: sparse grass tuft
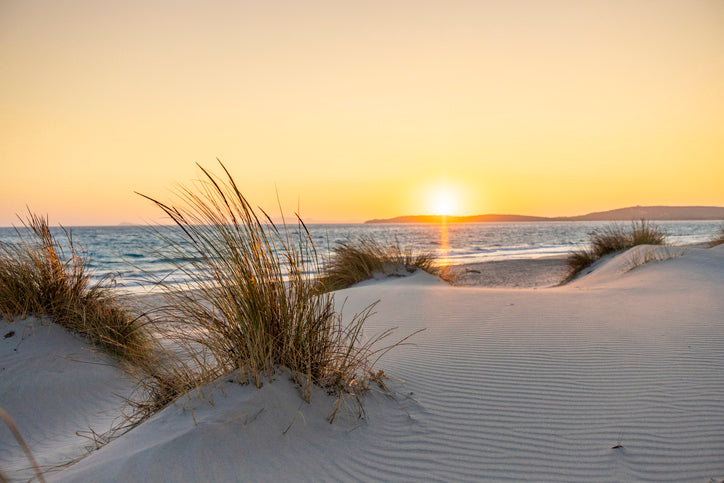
x: 614, y: 238
x: 352, y: 262
x: 38, y: 277
x: 718, y: 238
x: 639, y: 258
x: 252, y: 303
x: 646, y: 233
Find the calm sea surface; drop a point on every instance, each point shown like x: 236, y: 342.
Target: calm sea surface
x: 131, y: 254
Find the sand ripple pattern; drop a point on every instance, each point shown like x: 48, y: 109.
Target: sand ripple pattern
x: 538, y: 388
x: 504, y: 385
x: 57, y: 389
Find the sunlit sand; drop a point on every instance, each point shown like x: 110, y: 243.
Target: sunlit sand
x: 618, y: 376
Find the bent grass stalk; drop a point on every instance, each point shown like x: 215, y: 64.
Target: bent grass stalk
x: 251, y: 302
x: 21, y: 441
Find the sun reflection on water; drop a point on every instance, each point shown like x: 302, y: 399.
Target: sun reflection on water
x: 444, y: 247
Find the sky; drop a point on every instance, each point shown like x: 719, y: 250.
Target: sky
x: 352, y: 110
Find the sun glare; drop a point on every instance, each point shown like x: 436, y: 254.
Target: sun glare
x: 444, y: 201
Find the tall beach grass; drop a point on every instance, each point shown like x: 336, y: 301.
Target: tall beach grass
x: 42, y: 276
x: 611, y: 239
x: 354, y: 261
x: 252, y: 304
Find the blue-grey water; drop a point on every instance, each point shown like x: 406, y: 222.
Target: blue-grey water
x: 130, y: 254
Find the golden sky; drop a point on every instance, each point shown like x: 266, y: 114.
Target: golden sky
x: 358, y: 110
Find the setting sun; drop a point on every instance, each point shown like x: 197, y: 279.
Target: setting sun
x: 524, y: 195
x: 444, y: 201
x: 394, y: 89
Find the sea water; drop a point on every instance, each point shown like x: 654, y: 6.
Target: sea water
x: 132, y: 256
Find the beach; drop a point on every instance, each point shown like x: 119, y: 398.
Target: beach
x: 524, y: 273
x: 362, y: 241
x: 617, y: 376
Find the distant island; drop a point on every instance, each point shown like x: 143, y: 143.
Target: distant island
x: 621, y: 214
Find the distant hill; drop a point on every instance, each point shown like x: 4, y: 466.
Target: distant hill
x: 657, y: 213
x: 622, y: 214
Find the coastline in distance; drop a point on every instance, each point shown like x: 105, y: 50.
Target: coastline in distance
x: 621, y: 214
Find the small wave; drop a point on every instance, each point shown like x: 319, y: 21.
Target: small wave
x: 132, y: 253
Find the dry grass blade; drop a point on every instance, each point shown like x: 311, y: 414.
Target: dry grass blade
x: 42, y: 276
x: 252, y: 302
x: 641, y: 258
x: 19, y: 438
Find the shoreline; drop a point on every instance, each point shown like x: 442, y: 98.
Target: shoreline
x: 540, y: 272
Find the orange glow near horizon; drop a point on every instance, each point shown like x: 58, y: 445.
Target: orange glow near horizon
x: 360, y: 110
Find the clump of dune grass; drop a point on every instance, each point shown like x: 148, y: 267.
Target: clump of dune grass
x: 251, y: 303
x: 39, y: 275
x: 718, y: 237
x: 354, y: 261
x: 611, y: 239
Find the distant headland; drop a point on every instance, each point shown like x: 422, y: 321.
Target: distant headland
x: 621, y: 214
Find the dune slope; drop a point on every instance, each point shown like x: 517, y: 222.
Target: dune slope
x: 503, y: 385
x: 57, y: 389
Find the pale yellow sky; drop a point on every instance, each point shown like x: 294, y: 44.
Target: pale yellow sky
x: 359, y: 110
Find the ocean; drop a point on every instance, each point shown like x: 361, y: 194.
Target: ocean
x: 130, y: 254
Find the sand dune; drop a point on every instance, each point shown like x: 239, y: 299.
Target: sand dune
x: 54, y: 385
x: 503, y: 384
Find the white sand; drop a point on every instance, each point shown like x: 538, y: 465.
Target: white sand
x: 54, y: 385
x: 526, y: 273
x: 505, y: 384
